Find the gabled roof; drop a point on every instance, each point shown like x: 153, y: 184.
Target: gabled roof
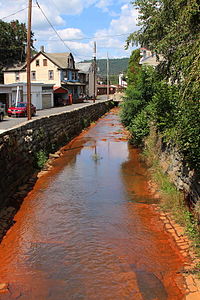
x: 59, y: 59
x: 15, y: 67
x: 84, y: 67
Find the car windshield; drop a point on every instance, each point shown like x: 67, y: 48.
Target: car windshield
x: 20, y: 105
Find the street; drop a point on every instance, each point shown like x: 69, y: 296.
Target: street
x: 10, y: 122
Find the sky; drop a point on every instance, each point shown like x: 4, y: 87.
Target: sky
x: 79, y: 23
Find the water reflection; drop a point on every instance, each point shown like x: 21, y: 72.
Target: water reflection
x: 87, y: 231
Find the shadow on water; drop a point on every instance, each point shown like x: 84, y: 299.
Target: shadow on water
x: 151, y: 287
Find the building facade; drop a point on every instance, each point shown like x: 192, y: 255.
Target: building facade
x: 57, y: 69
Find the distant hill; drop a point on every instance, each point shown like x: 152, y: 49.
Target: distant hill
x: 116, y: 66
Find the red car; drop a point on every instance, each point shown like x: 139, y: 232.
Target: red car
x: 20, y: 110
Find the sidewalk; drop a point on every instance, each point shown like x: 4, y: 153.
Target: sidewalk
x: 9, y: 123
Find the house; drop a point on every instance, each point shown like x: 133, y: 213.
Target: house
x: 149, y: 58
x: 103, y: 88
x: 41, y: 94
x: 122, y: 82
x: 86, y: 74
x: 57, y: 69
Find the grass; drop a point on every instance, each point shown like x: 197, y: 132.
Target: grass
x: 41, y: 159
x: 172, y: 200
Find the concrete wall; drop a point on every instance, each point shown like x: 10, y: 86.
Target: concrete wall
x: 19, y: 146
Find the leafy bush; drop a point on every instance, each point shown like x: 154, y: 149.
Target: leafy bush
x: 164, y: 105
x: 188, y: 133
x: 139, y: 128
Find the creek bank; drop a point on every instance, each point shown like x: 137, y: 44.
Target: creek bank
x: 172, y: 162
x: 187, y: 182
x: 19, y: 148
x: 189, y: 273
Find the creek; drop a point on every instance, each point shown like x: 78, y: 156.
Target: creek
x: 89, y: 230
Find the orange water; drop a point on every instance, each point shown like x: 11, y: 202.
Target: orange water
x: 88, y: 229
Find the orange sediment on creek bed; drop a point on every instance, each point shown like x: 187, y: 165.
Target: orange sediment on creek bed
x: 89, y: 230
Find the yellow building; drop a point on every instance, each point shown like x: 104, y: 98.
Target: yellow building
x: 49, y: 68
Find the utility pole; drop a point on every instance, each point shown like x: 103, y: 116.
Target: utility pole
x: 107, y: 77
x: 28, y: 60
x: 95, y: 68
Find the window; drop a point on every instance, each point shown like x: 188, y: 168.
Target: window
x: 45, y: 62
x: 73, y: 76
x: 17, y: 77
x: 65, y: 75
x: 33, y: 75
x: 51, y: 75
x: 37, y: 63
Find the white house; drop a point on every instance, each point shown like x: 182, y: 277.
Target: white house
x: 122, y: 82
x: 149, y: 58
x: 41, y: 94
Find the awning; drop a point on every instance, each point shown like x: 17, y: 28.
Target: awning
x: 60, y: 90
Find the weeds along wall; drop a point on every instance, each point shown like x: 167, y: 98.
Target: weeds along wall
x: 172, y: 163
x: 22, y: 146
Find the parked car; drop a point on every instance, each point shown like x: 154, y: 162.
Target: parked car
x: 20, y: 110
x: 2, y: 111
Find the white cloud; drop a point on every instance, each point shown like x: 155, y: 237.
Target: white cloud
x: 123, y: 22
x: 114, y: 37
x: 71, y: 33
x: 104, y: 4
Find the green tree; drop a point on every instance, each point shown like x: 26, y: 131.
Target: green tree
x: 172, y: 28
x: 12, y: 43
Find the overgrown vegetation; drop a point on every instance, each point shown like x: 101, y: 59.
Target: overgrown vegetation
x: 167, y: 96
x: 171, y: 199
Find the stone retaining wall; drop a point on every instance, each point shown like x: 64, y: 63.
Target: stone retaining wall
x: 182, y: 176
x: 20, y: 146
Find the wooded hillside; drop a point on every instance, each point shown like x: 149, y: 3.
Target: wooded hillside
x: 117, y: 66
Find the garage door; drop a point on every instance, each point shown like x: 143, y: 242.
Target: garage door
x: 46, y: 101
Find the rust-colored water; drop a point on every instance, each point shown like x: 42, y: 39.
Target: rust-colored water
x: 88, y: 229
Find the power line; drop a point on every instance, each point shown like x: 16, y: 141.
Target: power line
x: 55, y: 30
x: 14, y: 13
x: 91, y: 38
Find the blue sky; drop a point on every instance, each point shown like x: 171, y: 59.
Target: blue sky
x: 79, y: 23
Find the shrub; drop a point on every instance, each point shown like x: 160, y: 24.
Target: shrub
x: 139, y: 128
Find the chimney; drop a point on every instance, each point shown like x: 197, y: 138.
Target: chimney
x: 42, y: 48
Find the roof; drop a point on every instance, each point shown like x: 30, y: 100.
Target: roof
x: 105, y: 86
x: 74, y: 83
x: 151, y: 60
x: 60, y: 59
x: 60, y: 90
x: 24, y: 83
x: 15, y: 67
x: 84, y: 67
